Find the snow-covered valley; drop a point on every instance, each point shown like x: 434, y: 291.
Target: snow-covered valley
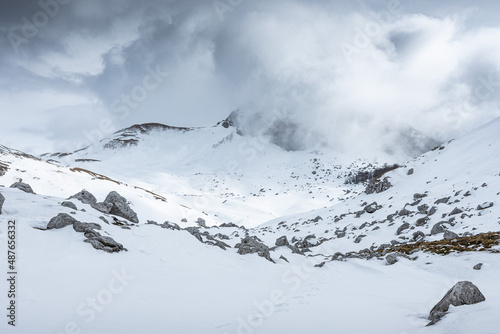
x: 237, y: 235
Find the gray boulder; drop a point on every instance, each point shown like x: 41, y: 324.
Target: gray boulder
x: 106, y: 244
x: 372, y: 207
x: 485, y: 206
x: 419, y: 235
x: 201, y: 222
x: 422, y: 221
x: 456, y: 211
x: 250, y: 245
x: 463, y: 293
x: 448, y: 235
x: 411, y: 171
x: 2, y: 200
x: 478, y: 266
x: 69, y: 204
x: 195, y: 232
x: 443, y: 200
x: 120, y: 207
x: 23, y: 186
x: 437, y: 228
x: 403, y: 227
x: 85, y: 227
x: 102, y: 207
x: 391, y: 259
x: 85, y: 197
x: 60, y: 221
x: 282, y: 241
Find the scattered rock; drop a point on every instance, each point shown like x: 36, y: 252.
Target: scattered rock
x: 437, y: 228
x: 404, y: 212
x: 2, y: 200
x: 70, y: 205
x: 422, y: 221
x: 372, y: 208
x: 282, y: 241
x: 85, y: 227
x: 284, y: 258
x: 443, y: 200
x: 403, y: 227
x: 201, y: 222
x: 194, y: 232
x: 485, y: 205
x: 85, y: 197
x: 419, y: 196
x: 60, y: 221
x: 359, y: 238
x: 423, y: 208
x: 250, y: 245
x: 391, y: 259
x: 463, y: 293
x: 106, y: 244
x: 23, y: 186
x: 478, y: 266
x: 411, y: 171
x: 120, y: 207
x: 432, y: 211
x: 320, y: 265
x: 184, y: 220
x: 456, y: 211
x: 418, y: 236
x: 448, y: 235
x: 102, y: 207
x: 229, y: 225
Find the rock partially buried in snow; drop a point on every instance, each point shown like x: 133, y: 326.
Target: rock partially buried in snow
x: 250, y: 245
x: 448, y: 235
x: 85, y: 197
x: 69, y: 204
x: 391, y: 259
x: 118, y: 206
x: 437, y: 228
x: 485, y: 206
x: 282, y: 241
x: 372, y: 207
x: 61, y: 221
x: 2, y: 200
x: 478, y: 266
x: 463, y: 293
x: 106, y: 244
x: 23, y: 186
x: 201, y: 222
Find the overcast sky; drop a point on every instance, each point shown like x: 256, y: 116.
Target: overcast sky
x: 353, y: 74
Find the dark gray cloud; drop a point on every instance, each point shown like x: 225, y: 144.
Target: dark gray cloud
x: 357, y: 76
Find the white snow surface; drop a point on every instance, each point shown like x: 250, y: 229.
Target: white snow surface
x: 169, y: 282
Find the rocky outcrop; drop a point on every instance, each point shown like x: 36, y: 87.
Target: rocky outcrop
x: 23, y: 186
x: 251, y: 245
x: 485, y: 206
x: 117, y: 205
x: 463, y: 293
x: 69, y: 204
x: 378, y: 186
x: 85, y: 197
x: 282, y: 241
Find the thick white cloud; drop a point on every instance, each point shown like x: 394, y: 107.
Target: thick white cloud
x: 364, y: 78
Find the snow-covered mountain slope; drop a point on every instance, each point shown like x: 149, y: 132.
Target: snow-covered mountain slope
x: 230, y: 178
x: 331, y: 277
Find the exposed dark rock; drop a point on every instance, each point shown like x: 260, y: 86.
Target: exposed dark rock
x: 167, y: 225
x: 443, y: 200
x: 70, y: 205
x: 201, y: 222
x: 104, y: 219
x: 228, y: 225
x: 359, y: 238
x: 456, y: 211
x: 419, y: 196
x: 485, y: 206
x: 102, y: 207
x: 320, y: 265
x: 478, y: 266
x: 120, y: 207
x: 194, y: 232
x: 250, y: 245
x: 403, y: 227
x: 404, y: 212
x: 317, y: 219
x: 463, y: 293
x: 437, y: 228
x: 106, y: 244
x: 423, y: 208
x: 377, y: 186
x: 448, y: 235
x: 282, y: 241
x: 372, y: 207
x: 85, y: 227
x: 418, y: 236
x: 23, y: 186
x: 85, y: 197
x: 411, y: 171
x: 284, y: 258
x: 391, y: 259
x: 184, y: 220
x: 422, y: 221
x: 432, y: 211
x: 60, y: 221
x: 2, y: 200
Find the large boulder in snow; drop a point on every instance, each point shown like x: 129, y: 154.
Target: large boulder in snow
x: 106, y: 244
x: 23, y: 186
x: 252, y: 244
x: 118, y: 206
x: 463, y: 293
x: 69, y: 204
x: 60, y: 221
x: 85, y: 197
x: 2, y: 200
